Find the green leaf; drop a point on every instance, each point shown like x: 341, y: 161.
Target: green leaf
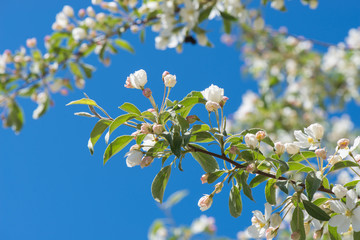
x: 117, y: 145
x: 270, y: 192
x: 176, y: 144
x: 201, y: 137
x: 320, y: 201
x: 205, y: 14
x: 227, y: 16
x: 117, y: 123
x: 130, y: 108
x: 246, y: 187
x: 315, y: 211
x: 124, y: 45
x: 15, y: 118
x: 96, y: 133
x: 334, y: 235
x: 159, y: 184
x: 214, y: 176
x: 343, y: 164
x: 312, y: 184
x: 200, y: 128
x: 88, y: 69
x: 352, y: 184
x: 297, y: 223
x: 300, y: 156
x: 84, y: 101
x: 75, y: 69
x: 235, y: 204
x: 356, y: 235
x: 257, y: 180
x: 283, y: 185
x: 207, y: 162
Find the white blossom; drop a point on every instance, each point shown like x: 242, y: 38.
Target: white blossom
x: 311, y: 139
x: 339, y: 191
x: 202, y: 224
x: 353, y: 40
x: 68, y: 11
x: 133, y: 158
x: 170, y: 80
x: 292, y: 148
x: 344, y: 152
x: 138, y: 79
x: 213, y: 93
x: 250, y: 140
x: 190, y: 14
x: 260, y: 222
x: 78, y: 34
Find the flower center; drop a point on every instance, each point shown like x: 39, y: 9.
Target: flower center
x: 348, y: 213
x: 311, y: 140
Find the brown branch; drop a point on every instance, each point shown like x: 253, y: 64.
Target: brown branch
x: 241, y: 166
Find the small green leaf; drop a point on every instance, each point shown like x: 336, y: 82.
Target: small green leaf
x: 312, y: 184
x: 352, y: 184
x: 205, y: 13
x: 246, y: 187
x: 84, y: 101
x: 356, y: 235
x: 117, y: 145
x: 97, y: 131
x: 270, y: 192
x: 207, y: 162
x: 159, y: 184
x: 300, y: 156
x: 227, y: 16
x: 117, y: 123
x: 88, y: 69
x: 200, y: 128
x: 297, y: 223
x: 343, y: 164
x: 214, y: 176
x: 75, y: 69
x: 315, y: 211
x: 130, y: 108
x: 334, y: 235
x: 235, y: 204
x: 124, y: 45
x: 257, y: 180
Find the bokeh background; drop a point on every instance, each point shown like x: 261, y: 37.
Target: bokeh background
x: 50, y: 185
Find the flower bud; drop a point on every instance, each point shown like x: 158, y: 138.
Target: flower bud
x: 295, y: 236
x: 202, y: 39
x: 321, y: 153
x: 317, y: 129
x: 165, y: 73
x: 279, y: 148
x: 81, y: 13
x: 292, y: 148
x: 317, y: 234
x: 204, y: 178
x: 79, y: 83
x: 250, y: 140
x: 69, y: 11
x: 260, y: 135
x: 145, y: 128
x: 191, y: 119
x: 83, y: 47
x: 90, y: 12
x: 78, y: 33
x: 233, y: 150
x: 211, y: 106
x: 90, y: 22
x: 146, y: 161
x: 275, y: 220
x: 270, y: 233
x: 31, y: 42
x: 170, y: 80
x: 100, y: 17
x: 251, y: 168
x: 339, y: 191
x: 218, y: 187
x: 158, y: 128
x: 205, y: 202
x: 135, y: 147
x: 134, y: 28
x: 223, y: 101
x: 147, y: 92
x: 96, y: 2
x: 112, y: 6
x: 343, y: 143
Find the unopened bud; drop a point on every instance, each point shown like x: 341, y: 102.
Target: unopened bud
x: 146, y: 161
x: 81, y: 13
x: 112, y: 6
x: 164, y: 74
x: 233, y: 150
x: 134, y: 28
x: 191, y: 119
x: 100, y: 17
x: 218, y: 187
x: 295, y: 236
x: 343, y: 143
x: 145, y: 128
x: 90, y: 12
x: 275, y: 220
x: 211, y: 106
x: 260, y: 135
x: 170, y: 80
x: 69, y: 11
x: 317, y: 234
x: 135, y: 147
x: 158, y: 128
x: 204, y: 178
x: 80, y: 83
x: 270, y: 233
x: 279, y: 148
x: 251, y: 140
x: 339, y: 191
x: 223, y: 101
x: 147, y: 92
x: 292, y: 148
x: 107, y: 62
x: 321, y: 153
x: 31, y: 42
x: 205, y: 202
x: 251, y: 168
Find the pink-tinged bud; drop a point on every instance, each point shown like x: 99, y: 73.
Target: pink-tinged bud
x: 321, y: 153
x: 223, y: 101
x: 90, y: 12
x: 135, y: 134
x: 211, y: 106
x: 128, y: 83
x: 151, y: 110
x: 158, y: 129
x: 191, y: 119
x: 260, y: 135
x: 79, y: 83
x: 104, y: 5
x: 107, y: 62
x: 279, y: 148
x: 205, y: 202
x: 18, y: 59
x: 145, y: 128
x: 317, y: 234
x: 204, y: 178
x: 164, y: 74
x: 100, y: 17
x: 270, y: 233
x: 357, y: 158
x: 295, y: 236
x: 31, y: 42
x: 134, y: 28
x: 146, y: 161
x: 81, y: 13
x: 147, y: 92
x: 64, y: 92
x: 135, y: 147
x: 7, y: 52
x: 343, y: 143
x: 251, y: 168
x: 218, y: 187
x: 233, y: 150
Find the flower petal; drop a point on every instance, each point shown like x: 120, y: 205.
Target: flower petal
x: 351, y: 199
x: 268, y: 210
x: 337, y: 206
x: 300, y: 136
x: 336, y: 220
x: 344, y: 225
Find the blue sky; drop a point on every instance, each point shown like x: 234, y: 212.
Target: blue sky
x: 50, y: 185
